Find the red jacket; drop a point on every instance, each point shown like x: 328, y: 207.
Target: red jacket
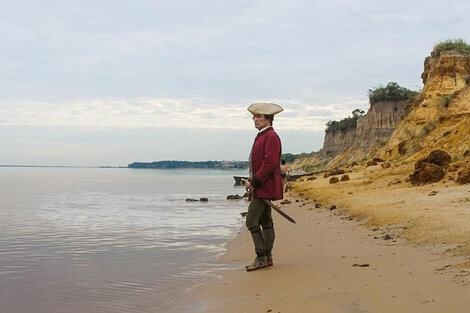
x: 265, y: 168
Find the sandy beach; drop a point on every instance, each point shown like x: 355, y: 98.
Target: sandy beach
x: 386, y: 247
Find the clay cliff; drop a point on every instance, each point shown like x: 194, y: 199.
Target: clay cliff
x: 373, y: 130
x: 338, y: 141
x: 401, y: 131
x: 440, y: 115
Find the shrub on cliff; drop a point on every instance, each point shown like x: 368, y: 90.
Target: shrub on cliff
x: 457, y: 45
x: 391, y: 92
x: 345, y: 123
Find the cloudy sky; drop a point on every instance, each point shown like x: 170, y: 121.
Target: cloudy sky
x: 101, y: 82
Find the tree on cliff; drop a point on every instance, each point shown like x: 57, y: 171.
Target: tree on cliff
x: 345, y: 123
x: 391, y: 92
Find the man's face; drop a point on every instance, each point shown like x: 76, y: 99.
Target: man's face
x: 261, y: 121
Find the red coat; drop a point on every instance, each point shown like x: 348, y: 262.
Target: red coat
x: 265, y: 165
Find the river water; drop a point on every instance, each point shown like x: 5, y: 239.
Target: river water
x: 111, y: 239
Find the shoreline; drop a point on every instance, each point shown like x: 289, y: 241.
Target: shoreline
x: 348, y: 260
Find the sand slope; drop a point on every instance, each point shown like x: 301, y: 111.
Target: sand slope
x: 415, y: 246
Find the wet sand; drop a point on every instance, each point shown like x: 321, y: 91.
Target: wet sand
x: 371, y: 254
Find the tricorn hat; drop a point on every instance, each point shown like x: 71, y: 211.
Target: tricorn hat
x: 265, y: 108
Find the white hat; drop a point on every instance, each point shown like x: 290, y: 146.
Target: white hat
x: 265, y: 108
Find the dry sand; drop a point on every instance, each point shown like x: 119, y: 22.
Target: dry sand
x: 414, y: 248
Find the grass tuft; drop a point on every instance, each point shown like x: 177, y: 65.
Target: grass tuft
x: 455, y: 45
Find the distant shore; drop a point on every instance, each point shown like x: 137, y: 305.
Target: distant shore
x: 191, y: 164
x: 383, y: 247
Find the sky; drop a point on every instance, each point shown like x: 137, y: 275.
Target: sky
x: 91, y: 83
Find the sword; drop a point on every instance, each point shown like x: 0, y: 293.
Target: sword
x: 278, y: 210
x: 272, y: 205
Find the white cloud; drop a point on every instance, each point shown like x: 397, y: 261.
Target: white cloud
x: 196, y: 65
x: 198, y: 113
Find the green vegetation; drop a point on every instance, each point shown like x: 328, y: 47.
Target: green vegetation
x: 289, y: 157
x: 391, y: 92
x: 457, y: 45
x: 345, y: 123
x: 315, y: 167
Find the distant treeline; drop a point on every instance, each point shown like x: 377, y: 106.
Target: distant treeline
x: 189, y: 164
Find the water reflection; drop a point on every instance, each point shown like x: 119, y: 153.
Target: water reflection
x: 108, y: 241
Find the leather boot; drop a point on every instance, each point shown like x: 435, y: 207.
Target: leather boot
x: 269, y: 236
x: 261, y: 259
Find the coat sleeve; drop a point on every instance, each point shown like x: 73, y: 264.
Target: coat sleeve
x: 271, y: 159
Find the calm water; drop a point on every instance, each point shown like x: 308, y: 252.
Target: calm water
x: 110, y: 240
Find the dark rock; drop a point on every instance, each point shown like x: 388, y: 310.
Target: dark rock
x: 388, y: 237
x: 203, y: 199
x: 297, y: 200
x: 466, y: 154
x: 402, y: 149
x: 353, y: 164
x: 191, y: 200
x: 361, y: 265
x: 339, y: 171
x: 333, y: 207
x: 427, y: 173
x: 377, y: 160
x: 285, y: 201
x: 420, y: 164
x: 334, y: 180
x: 345, y: 177
x: 439, y: 157
x: 234, y: 197
x: 317, y: 205
x: 311, y: 178
x: 464, y: 175
x: 336, y: 171
x: 371, y: 163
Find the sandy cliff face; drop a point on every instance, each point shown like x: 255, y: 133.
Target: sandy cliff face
x: 352, y: 144
x: 440, y: 116
x: 338, y: 141
x: 378, y: 124
x: 372, y: 131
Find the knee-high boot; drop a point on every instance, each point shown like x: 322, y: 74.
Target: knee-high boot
x: 269, y: 236
x: 258, y: 241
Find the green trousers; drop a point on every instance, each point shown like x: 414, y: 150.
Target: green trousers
x: 259, y: 215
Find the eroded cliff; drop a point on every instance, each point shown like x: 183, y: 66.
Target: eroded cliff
x: 440, y: 116
x: 401, y: 131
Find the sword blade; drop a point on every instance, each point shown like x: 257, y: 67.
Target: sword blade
x: 278, y: 210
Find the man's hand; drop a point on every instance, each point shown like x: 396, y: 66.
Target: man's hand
x: 249, y: 187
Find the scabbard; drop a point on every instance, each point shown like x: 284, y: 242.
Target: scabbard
x: 278, y: 210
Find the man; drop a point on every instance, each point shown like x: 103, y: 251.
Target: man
x: 284, y: 175
x: 265, y: 183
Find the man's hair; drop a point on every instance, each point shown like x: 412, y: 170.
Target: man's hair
x: 283, y: 162
x: 269, y: 118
